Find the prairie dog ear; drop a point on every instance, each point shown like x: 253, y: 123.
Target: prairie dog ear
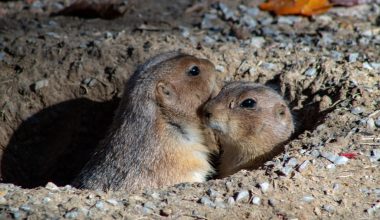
x: 280, y: 111
x: 165, y: 93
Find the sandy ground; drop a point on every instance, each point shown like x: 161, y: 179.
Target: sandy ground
x: 61, y: 79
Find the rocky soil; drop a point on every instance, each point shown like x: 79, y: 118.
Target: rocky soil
x: 61, y: 79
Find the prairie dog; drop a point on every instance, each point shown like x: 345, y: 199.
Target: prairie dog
x: 251, y: 122
x: 157, y: 135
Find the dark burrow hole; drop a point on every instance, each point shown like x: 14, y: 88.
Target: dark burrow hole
x: 55, y: 143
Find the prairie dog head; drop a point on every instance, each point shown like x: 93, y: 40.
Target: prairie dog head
x: 250, y: 120
x: 186, y: 84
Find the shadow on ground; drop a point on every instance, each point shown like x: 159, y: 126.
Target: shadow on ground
x: 54, y: 144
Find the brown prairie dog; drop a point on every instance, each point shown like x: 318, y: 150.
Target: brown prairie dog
x: 251, y: 122
x: 157, y: 137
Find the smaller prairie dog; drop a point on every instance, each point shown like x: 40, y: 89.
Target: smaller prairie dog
x: 157, y: 137
x: 251, y: 122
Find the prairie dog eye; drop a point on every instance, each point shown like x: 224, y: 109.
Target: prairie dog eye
x: 248, y: 103
x: 194, y: 71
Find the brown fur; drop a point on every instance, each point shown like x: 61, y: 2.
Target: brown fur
x: 248, y: 137
x: 157, y: 137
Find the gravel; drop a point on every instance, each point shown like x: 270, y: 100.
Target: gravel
x: 264, y: 186
x: 212, y: 193
x: 40, y: 84
x: 357, y: 110
x: 51, y: 186
x: 304, y: 165
x: 206, y: 201
x: 256, y: 200
x: 308, y: 198
x: 242, y: 196
x: 257, y: 42
x: 353, y: 57
x: 311, y: 72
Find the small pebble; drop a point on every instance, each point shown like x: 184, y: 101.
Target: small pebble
x: 147, y: 211
x: 308, y: 198
x: 292, y: 162
x: 108, y: 35
x: 227, y: 12
x: 37, y: 5
x: 304, y: 165
x: 242, y: 195
x: 112, y: 202
x: 315, y: 153
x: 336, y: 55
x: 257, y: 42
x: 264, y: 186
x: 46, y: 200
x: 353, y: 57
x: 14, y: 209
x: 265, y: 21
x: 377, y: 122
x: 336, y: 186
x: 375, y: 155
x: 212, y: 193
x: 25, y: 208
x: 364, y: 41
x: 328, y: 208
x: 229, y: 186
x: 149, y: 205
x: 67, y: 187
x: 53, y: 34
x: 329, y: 156
x: 208, y: 40
x: 340, y: 160
x: 311, y: 72
x: 268, y: 66
x: 249, y: 21
x: 51, y: 186
x: 3, y: 201
x: 206, y: 201
x: 40, y: 84
x: 286, y: 170
x: 249, y: 11
x: 17, y: 215
x: 99, y: 205
x: 256, y: 200
x: 330, y: 166
x: 185, y: 31
x: 231, y: 201
x: 376, y: 66
x: 220, y: 68
x: 90, y: 82
x: 272, y: 202
x: 357, y: 110
x: 56, y: 6
x: 209, y: 21
x: 290, y: 20
x: 219, y: 203
x: 155, y: 195
x: 2, y: 56
x: 327, y: 39
x: 367, y: 66
x: 370, y: 123
x: 72, y: 214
